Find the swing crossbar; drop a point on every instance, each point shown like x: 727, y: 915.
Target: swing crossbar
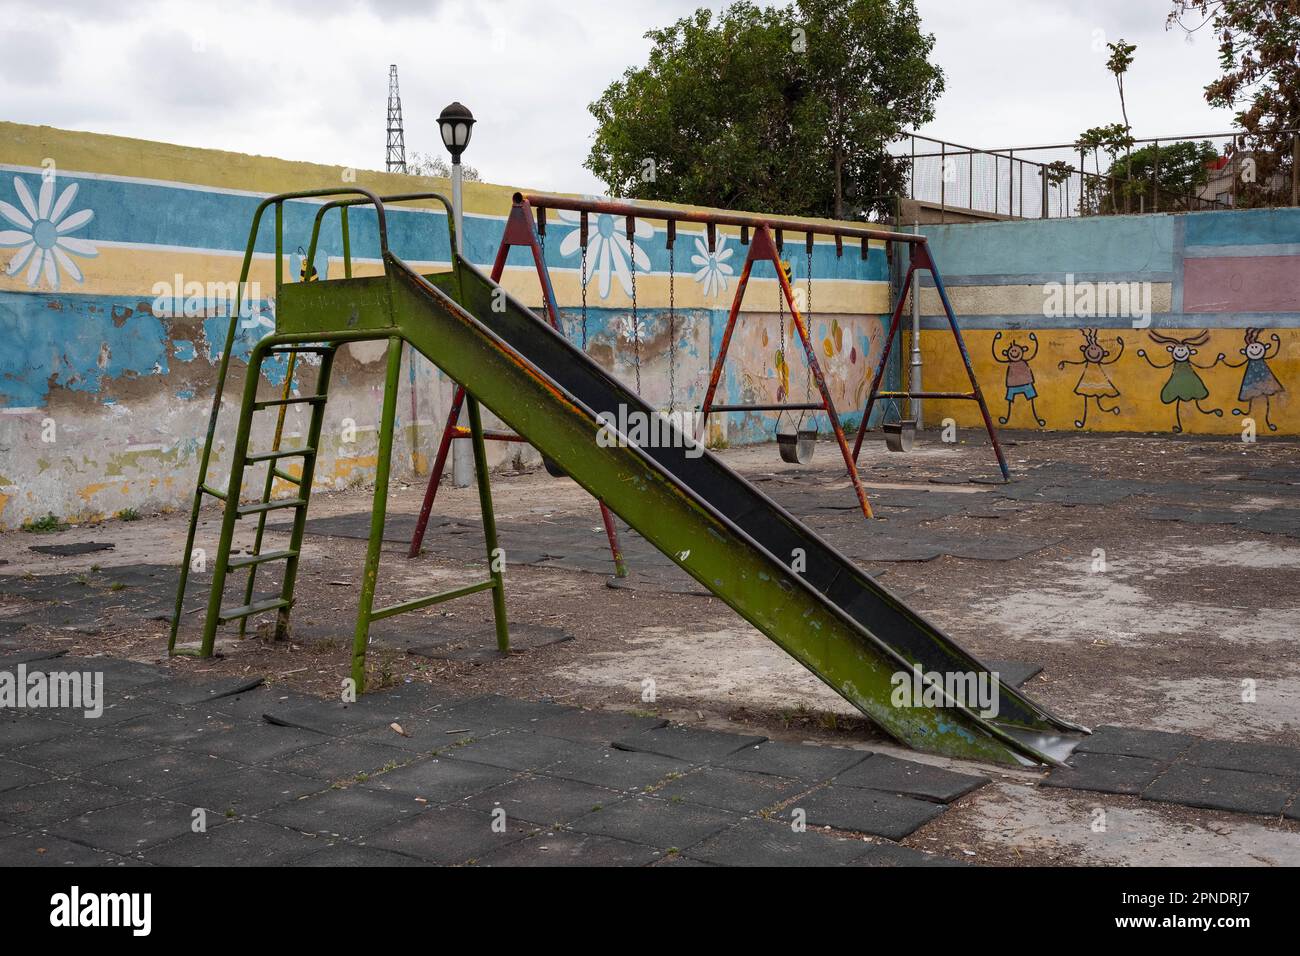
x: 799, y: 407
x: 969, y: 396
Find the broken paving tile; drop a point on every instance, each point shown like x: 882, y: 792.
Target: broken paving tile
x: 736, y: 790
x: 687, y: 743
x: 1133, y: 742
x: 864, y: 811
x: 908, y: 778
x: 1105, y: 773
x: 1014, y: 673
x: 804, y: 762
x: 762, y: 843
x: 1215, y: 788
x: 70, y: 550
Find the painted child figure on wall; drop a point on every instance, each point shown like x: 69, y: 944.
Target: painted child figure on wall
x: 1020, y: 377
x: 1184, y: 384
x: 1094, y: 383
x: 1258, y: 380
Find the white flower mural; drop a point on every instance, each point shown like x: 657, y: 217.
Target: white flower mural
x: 608, y: 251
x: 713, y: 268
x: 632, y: 331
x: 42, y: 236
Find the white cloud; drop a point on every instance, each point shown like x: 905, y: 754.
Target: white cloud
x: 307, y: 79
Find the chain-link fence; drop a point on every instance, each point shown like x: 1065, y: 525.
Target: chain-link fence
x: 1172, y: 174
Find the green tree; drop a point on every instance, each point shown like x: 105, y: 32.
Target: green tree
x: 1173, y: 171
x: 1259, y: 75
x: 782, y: 108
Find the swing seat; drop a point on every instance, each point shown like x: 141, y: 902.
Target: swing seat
x: 900, y: 435
x: 798, y: 447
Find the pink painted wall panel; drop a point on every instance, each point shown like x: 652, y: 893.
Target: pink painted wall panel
x: 1242, y: 284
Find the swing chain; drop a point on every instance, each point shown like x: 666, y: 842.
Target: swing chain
x: 584, y: 297
x: 672, y: 333
x: 636, y: 330
x: 807, y: 319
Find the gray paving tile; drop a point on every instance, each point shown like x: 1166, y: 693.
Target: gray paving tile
x: 1105, y: 773
x: 1246, y: 757
x: 127, y: 828
x: 450, y: 835
x: 737, y: 790
x: 911, y: 779
x: 158, y: 771
x: 514, y: 750
x: 343, y: 759
x: 545, y: 801
x: 769, y: 843
x: 347, y: 854
x: 1216, y: 788
x: 42, y: 804
x: 352, y: 813
x: 13, y: 775
x: 244, y: 791
x: 499, y: 713
x: 335, y: 717
x: 595, y: 726
x: 429, y: 733
x: 1133, y: 742
x: 864, y: 811
x: 66, y: 755
x: 202, y: 691
x: 252, y: 743
x: 889, y: 854
x: 616, y: 769
x: 563, y: 848
x: 655, y: 822
x: 238, y: 843
x: 439, y: 780
x: 33, y: 849
x: 22, y: 731
x: 800, y: 761
x: 691, y: 744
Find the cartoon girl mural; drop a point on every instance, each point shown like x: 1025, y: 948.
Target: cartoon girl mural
x: 1184, y: 384
x: 1258, y: 381
x: 1094, y: 383
x: 1020, y: 377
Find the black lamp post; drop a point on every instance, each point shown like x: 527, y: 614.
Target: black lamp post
x: 456, y: 123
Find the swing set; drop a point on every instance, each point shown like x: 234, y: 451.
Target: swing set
x: 765, y: 238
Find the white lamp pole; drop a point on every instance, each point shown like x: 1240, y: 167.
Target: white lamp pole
x: 455, y: 124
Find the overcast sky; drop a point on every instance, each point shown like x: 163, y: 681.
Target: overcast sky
x: 307, y: 79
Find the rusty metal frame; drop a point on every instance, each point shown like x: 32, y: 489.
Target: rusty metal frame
x: 519, y: 231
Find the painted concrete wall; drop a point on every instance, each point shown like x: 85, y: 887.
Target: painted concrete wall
x: 116, y: 263
x: 1212, y: 298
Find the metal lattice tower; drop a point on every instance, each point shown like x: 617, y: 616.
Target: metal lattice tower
x: 396, y: 162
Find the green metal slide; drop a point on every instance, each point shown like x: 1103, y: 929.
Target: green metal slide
x: 829, y: 615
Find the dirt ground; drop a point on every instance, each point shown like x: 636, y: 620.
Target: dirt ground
x: 1163, y: 636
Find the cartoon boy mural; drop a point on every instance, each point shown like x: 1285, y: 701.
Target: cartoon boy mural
x: 1020, y: 377
x: 1093, y: 382
x: 1258, y: 380
x: 1184, y: 384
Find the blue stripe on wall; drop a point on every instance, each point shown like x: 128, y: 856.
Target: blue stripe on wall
x: 1243, y: 227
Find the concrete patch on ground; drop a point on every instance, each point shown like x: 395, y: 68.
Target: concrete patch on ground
x: 1069, y: 830
x: 690, y: 663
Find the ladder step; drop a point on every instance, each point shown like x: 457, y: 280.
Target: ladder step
x: 287, y: 349
x: 282, y: 453
x: 209, y: 490
x: 285, y: 476
x: 248, y: 610
x: 270, y: 506
x: 251, y: 559
x: 300, y: 400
